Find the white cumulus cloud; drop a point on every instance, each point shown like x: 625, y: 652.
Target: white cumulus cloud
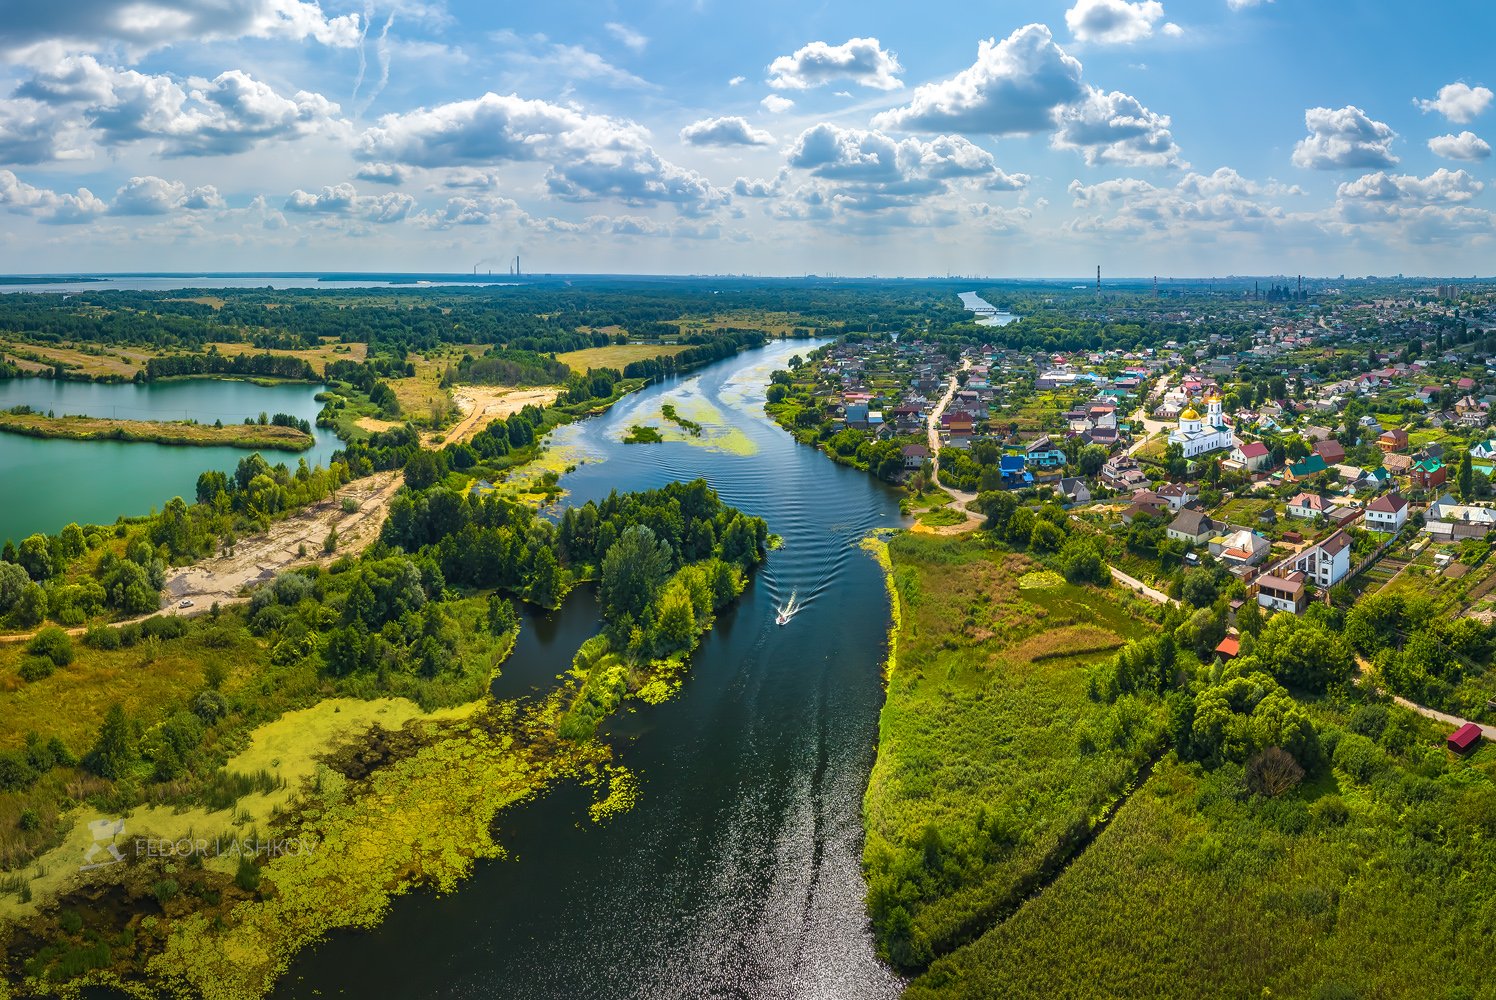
x: 727, y: 131
x: 1115, y: 128
x: 1113, y: 22
x: 1014, y: 87
x: 1465, y: 146
x: 860, y: 60
x: 1343, y: 138
x: 1458, y: 102
x: 589, y: 156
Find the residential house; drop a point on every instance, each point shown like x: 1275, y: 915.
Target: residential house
x: 1299, y: 471
x: 915, y: 456
x: 1192, y: 527
x: 1325, y: 563
x: 1387, y: 513
x: 1042, y: 453
x: 1448, y: 521
x: 1011, y: 467
x: 1282, y: 593
x: 1397, y: 465
x: 1393, y: 440
x: 1122, y: 473
x: 1176, y: 495
x: 1308, y: 506
x: 1240, y: 547
x: 1429, y: 474
x: 1254, y: 457
x: 1484, y: 450
x: 1074, y: 490
x: 1144, y: 504
x: 1332, y: 451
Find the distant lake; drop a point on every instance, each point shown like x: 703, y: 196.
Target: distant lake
x: 974, y: 302
x: 177, y: 282
x: 48, y: 482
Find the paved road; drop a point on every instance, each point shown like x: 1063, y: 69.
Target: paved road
x: 933, y: 428
x: 1489, y: 732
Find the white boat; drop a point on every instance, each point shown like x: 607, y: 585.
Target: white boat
x: 787, y: 612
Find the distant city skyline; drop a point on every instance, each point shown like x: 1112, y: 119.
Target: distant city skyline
x: 1031, y: 140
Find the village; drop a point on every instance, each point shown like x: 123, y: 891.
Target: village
x: 1326, y: 455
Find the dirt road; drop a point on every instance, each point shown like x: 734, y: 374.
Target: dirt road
x: 933, y: 428
x: 259, y: 557
x: 480, y: 404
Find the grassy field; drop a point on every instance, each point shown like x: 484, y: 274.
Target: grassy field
x: 93, y: 360
x: 158, y: 431
x: 123, y: 362
x: 421, y: 395
x: 318, y: 357
x: 1371, y: 883
x: 993, y: 762
x: 616, y: 355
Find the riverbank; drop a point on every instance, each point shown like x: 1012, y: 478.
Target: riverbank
x: 993, y: 762
x: 373, y: 809
x: 73, y: 428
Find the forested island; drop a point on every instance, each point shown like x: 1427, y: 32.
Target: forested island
x: 281, y: 434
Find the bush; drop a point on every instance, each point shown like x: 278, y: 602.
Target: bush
x: 247, y: 877
x: 53, y: 643
x: 165, y: 890
x: 34, y: 668
x: 101, y: 637
x: 71, y: 921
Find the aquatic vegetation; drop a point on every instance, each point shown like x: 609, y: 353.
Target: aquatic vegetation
x: 1040, y: 580
x: 420, y: 821
x: 641, y: 434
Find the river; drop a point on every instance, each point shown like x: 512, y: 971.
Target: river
x: 991, y: 316
x: 48, y: 482
x: 737, y: 873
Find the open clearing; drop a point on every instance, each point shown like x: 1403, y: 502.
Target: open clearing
x: 616, y: 355
x: 317, y: 357
x: 481, y: 404
x: 123, y: 362
x: 258, y: 558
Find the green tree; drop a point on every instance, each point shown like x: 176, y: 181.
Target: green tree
x: 1198, y: 589
x: 114, y: 753
x: 1081, y: 561
x: 35, y: 557
x: 1046, y: 536
x: 53, y: 643
x: 1466, y: 478
x: 632, y: 573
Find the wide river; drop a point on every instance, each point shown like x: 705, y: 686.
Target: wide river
x: 48, y: 482
x: 737, y: 873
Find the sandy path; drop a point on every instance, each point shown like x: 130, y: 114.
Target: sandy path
x: 259, y: 557
x: 480, y: 404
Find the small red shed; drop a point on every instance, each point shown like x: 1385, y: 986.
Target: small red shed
x: 1463, y: 739
x: 1229, y: 647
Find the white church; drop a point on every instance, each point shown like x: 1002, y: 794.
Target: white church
x: 1198, y: 435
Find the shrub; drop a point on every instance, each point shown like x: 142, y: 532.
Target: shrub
x: 53, y: 643
x: 1273, y: 772
x: 165, y: 890
x: 101, y: 637
x: 247, y: 877
x: 34, y: 668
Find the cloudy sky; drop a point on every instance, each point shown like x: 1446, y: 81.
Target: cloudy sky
x: 690, y: 136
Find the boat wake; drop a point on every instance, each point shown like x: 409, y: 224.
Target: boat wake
x: 787, y: 610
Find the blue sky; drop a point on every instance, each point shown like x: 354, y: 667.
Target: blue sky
x: 691, y: 136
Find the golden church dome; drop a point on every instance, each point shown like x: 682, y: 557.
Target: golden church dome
x: 1189, y: 414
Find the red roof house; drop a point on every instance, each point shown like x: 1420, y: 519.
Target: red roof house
x: 1229, y: 647
x: 1464, y: 738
